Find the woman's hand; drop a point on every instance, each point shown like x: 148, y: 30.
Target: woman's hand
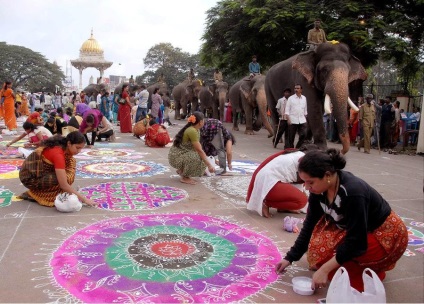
x: 319, y: 279
x: 211, y: 168
x: 230, y: 167
x: 89, y: 202
x: 281, y: 266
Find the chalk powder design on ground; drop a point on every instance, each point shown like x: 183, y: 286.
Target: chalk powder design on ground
x: 10, y: 153
x: 168, y: 258
x: 118, y: 169
x: 9, y: 168
x: 5, y: 197
x: 108, y: 154
x: 19, y: 143
x: 127, y: 196
x: 113, y: 145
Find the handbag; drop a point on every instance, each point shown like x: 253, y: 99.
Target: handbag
x: 340, y: 290
x: 122, y: 101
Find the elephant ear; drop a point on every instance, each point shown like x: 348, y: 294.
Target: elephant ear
x: 357, y: 71
x: 245, y: 88
x: 304, y: 63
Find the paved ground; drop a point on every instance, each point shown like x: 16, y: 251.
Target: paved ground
x: 30, y: 233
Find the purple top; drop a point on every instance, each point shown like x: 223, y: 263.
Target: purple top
x: 97, y: 119
x: 81, y: 108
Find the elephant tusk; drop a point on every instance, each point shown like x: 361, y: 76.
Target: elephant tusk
x: 352, y: 105
x: 327, y: 102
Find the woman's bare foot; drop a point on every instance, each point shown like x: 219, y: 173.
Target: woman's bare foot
x: 188, y: 180
x: 265, y: 211
x: 288, y: 211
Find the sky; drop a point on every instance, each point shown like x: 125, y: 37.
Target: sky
x: 125, y: 30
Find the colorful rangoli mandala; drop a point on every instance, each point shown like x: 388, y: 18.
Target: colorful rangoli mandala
x: 109, y: 154
x: 10, y: 168
x: 118, y: 169
x: 10, y: 153
x: 165, y: 258
x: 5, y: 197
x: 19, y: 143
x: 127, y: 196
x: 113, y: 145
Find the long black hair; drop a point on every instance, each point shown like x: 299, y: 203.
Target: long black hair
x: 123, y: 88
x: 179, y: 137
x: 317, y: 163
x: 28, y: 126
x: 75, y: 137
x: 6, y: 83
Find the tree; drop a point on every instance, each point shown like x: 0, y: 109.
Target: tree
x: 276, y: 29
x: 28, y: 69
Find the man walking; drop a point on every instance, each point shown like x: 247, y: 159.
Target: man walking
x: 282, y: 123
x: 387, y: 117
x: 296, y: 113
x: 367, y: 121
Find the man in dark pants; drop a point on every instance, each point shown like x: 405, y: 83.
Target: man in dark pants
x: 387, y: 117
x: 282, y: 127
x: 296, y: 116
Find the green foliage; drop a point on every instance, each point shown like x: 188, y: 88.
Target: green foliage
x: 28, y: 70
x: 277, y: 29
x: 173, y: 63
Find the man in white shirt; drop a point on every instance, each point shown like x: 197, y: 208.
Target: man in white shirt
x: 282, y: 124
x: 142, y: 97
x: 48, y: 101
x: 296, y: 112
x: 99, y: 99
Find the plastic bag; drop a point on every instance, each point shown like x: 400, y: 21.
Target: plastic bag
x: 66, y: 202
x: 211, y: 161
x: 340, y: 290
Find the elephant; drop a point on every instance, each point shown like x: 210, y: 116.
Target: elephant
x: 329, y: 71
x: 94, y: 89
x: 132, y: 88
x: 214, y: 97
x: 184, y: 93
x: 247, y: 95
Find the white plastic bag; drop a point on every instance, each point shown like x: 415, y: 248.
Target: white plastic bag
x: 340, y: 290
x: 211, y: 161
x: 66, y: 202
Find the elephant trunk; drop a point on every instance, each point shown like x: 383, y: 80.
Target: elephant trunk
x: 262, y: 105
x: 222, y: 98
x: 337, y: 89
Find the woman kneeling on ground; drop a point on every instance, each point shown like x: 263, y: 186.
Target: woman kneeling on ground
x: 186, y: 154
x: 348, y: 224
x: 156, y: 135
x: 276, y: 184
x: 51, y: 169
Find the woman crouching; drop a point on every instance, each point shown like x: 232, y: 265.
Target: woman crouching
x: 51, y: 169
x: 186, y: 154
x: 348, y: 223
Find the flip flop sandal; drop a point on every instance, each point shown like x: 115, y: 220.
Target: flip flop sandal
x: 26, y: 196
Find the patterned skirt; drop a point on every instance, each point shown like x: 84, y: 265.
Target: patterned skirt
x: 386, y: 246
x: 40, y: 178
x: 186, y: 160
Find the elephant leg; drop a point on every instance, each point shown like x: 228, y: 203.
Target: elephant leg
x: 177, y: 110
x: 262, y: 105
x: 249, y: 120
x: 235, y: 119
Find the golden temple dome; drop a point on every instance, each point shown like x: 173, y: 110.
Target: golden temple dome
x: 91, y: 46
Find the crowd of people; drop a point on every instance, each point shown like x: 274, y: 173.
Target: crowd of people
x: 340, y: 206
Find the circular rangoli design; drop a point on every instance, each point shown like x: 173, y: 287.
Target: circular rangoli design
x: 113, y: 145
x: 19, y: 143
x: 167, y: 258
x: 5, y: 197
x: 9, y: 168
x: 10, y: 153
x: 118, y: 169
x: 110, y: 154
x: 126, y: 196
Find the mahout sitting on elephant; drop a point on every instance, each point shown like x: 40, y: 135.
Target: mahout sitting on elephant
x: 330, y: 73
